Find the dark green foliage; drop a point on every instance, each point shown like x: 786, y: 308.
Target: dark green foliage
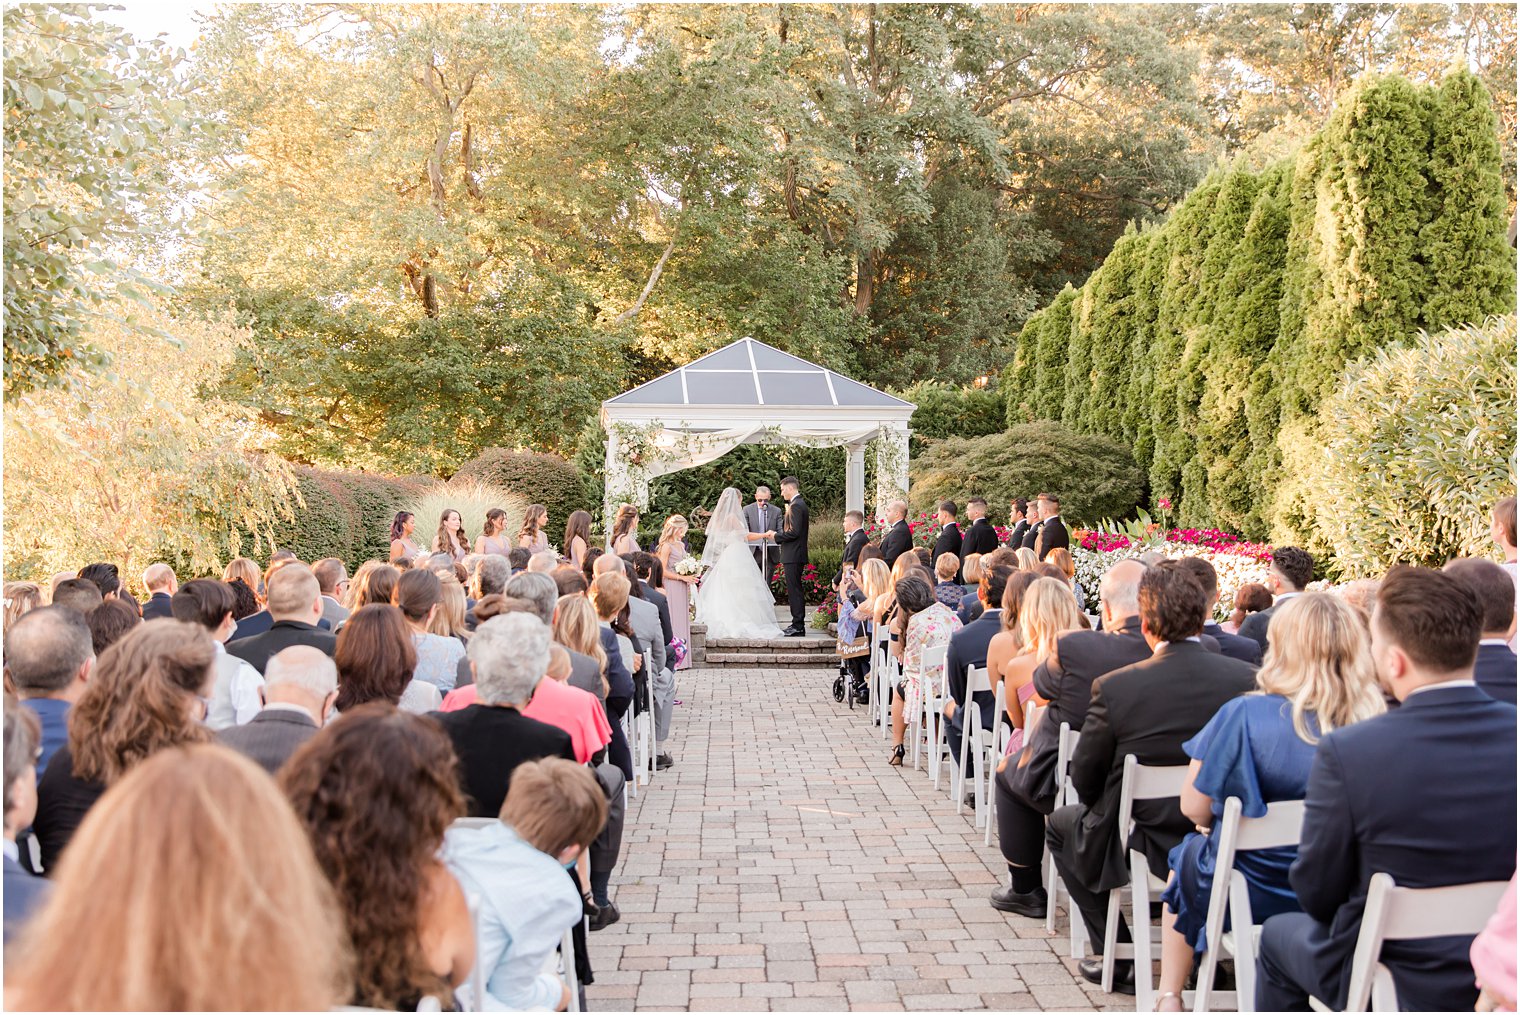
x: 538, y: 479
x: 948, y: 411
x: 1207, y: 343
x: 1094, y: 476
x: 346, y: 515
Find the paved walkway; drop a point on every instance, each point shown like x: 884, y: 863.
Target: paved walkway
x: 781, y: 865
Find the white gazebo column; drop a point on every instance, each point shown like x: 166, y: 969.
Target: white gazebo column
x: 891, y: 467
x: 855, y: 478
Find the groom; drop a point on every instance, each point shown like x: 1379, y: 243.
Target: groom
x: 793, y: 538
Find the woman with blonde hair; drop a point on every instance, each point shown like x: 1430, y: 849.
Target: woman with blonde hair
x: 534, y: 535
x: 198, y: 825
x: 20, y: 598
x: 490, y: 539
x: 576, y: 628
x: 670, y: 551
x: 1317, y: 676
x: 147, y: 692
x: 449, y: 620
x: 450, y: 537
x: 1025, y: 559
x: 241, y: 569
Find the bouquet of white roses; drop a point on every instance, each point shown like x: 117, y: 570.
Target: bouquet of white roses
x: 689, y: 567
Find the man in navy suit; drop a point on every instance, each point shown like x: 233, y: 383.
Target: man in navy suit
x: 1232, y: 645
x: 1291, y: 571
x: 968, y: 648
x: 161, y: 584
x: 1424, y: 793
x: 1495, y: 589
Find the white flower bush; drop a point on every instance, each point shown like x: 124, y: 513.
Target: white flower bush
x: 1234, y: 569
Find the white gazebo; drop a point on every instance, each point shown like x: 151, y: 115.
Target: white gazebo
x: 751, y: 393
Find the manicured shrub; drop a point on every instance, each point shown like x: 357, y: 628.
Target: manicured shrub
x: 945, y: 410
x: 532, y: 478
x: 1414, y: 449
x: 1094, y: 476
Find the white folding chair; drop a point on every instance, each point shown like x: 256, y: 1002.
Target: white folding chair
x: 1280, y: 826
x: 1403, y: 914
x: 644, y: 760
x: 973, y: 746
x: 1065, y: 794
x: 881, y: 682
x: 1141, y: 782
x: 931, y: 689
x: 1002, y: 732
x: 567, y: 961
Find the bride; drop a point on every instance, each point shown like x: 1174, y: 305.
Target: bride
x: 734, y: 601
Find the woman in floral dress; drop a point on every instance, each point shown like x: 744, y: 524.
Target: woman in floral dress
x: 929, y: 624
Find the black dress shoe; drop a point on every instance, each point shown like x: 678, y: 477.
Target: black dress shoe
x: 793, y: 632
x: 608, y: 915
x: 1030, y: 904
x: 1124, y: 974
x: 663, y: 761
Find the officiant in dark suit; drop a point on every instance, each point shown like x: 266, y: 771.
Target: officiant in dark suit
x: 763, y: 516
x: 981, y: 537
x: 1052, y: 529
x: 793, y: 540
x: 949, y: 538
x: 899, y: 538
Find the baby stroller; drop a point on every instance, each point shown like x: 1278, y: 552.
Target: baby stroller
x: 854, y: 649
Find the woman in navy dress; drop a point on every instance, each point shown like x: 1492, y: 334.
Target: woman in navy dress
x: 1317, y: 676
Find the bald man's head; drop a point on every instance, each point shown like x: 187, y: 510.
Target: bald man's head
x: 608, y: 563
x: 302, y: 675
x: 160, y: 578
x: 1120, y: 590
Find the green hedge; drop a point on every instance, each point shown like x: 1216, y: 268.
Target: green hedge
x: 1094, y: 476
x: 537, y: 479
x: 1208, y: 342
x: 1415, y: 485
x: 945, y: 410
x: 346, y: 515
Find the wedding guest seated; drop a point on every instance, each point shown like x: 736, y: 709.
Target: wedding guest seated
x: 332, y: 580
x: 1503, y: 532
x: 376, y: 791
x: 1291, y: 571
x: 509, y: 656
x: 968, y: 648
x: 161, y: 584
x: 109, y: 622
x: 925, y: 558
x: 514, y: 867
x: 1249, y: 598
x: 235, y: 688
x: 871, y: 551
x: 588, y: 562
x: 244, y: 602
x: 946, y: 589
x: 376, y: 659
x: 251, y: 926
x: 294, y: 602
x: 107, y: 578
x: 77, y: 594
x: 1424, y: 793
x: 261, y: 621
x: 374, y: 583
x: 1026, y: 559
x: 575, y: 627
x: 299, y: 692
x: 1493, y: 957
x: 1148, y: 710
x: 543, y: 562
x: 1495, y: 591
x: 518, y: 557
x: 569, y: 581
x: 49, y: 657
x: 24, y: 891
x: 419, y: 596
x: 147, y: 693
x: 1060, y: 558
x: 1233, y: 645
x: 926, y: 623
x: 449, y: 621
x: 246, y: 571
x: 971, y: 574
x: 1259, y: 747
x: 1361, y: 596
x: 21, y: 598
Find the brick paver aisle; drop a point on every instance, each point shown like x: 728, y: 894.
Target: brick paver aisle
x: 781, y: 865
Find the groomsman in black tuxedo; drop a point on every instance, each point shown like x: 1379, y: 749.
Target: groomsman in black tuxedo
x: 1032, y: 533
x: 1017, y: 523
x: 1052, y: 529
x: 949, y: 538
x: 793, y: 540
x: 899, y: 538
x: 981, y: 537
x: 854, y: 537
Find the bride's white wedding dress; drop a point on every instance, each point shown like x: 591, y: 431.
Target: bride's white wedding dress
x: 734, y: 600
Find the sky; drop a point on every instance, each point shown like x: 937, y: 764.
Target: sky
x: 148, y: 18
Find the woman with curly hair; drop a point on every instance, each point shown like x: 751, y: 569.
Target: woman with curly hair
x: 534, y: 534
x: 492, y: 538
x: 376, y: 791
x: 375, y: 660
x: 147, y: 693
x: 450, y: 537
x: 197, y: 825
x: 625, y: 531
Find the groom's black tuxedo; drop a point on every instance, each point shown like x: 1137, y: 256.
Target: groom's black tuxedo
x: 793, y: 540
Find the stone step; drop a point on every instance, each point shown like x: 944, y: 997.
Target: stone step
x: 762, y: 659
x: 770, y: 644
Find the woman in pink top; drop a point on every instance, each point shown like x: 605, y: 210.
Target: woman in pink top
x: 577, y: 712
x: 1493, y: 957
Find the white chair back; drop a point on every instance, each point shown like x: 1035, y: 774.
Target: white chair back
x: 1141, y: 782
x: 976, y: 681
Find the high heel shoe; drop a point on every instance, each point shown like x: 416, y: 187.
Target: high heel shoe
x: 896, y: 759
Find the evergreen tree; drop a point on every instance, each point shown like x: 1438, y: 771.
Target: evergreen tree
x: 1050, y: 356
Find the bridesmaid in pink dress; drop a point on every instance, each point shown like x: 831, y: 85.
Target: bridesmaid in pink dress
x: 677, y: 588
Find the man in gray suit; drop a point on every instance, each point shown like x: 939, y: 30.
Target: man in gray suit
x: 300, y: 689
x: 332, y: 579
x: 763, y: 516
